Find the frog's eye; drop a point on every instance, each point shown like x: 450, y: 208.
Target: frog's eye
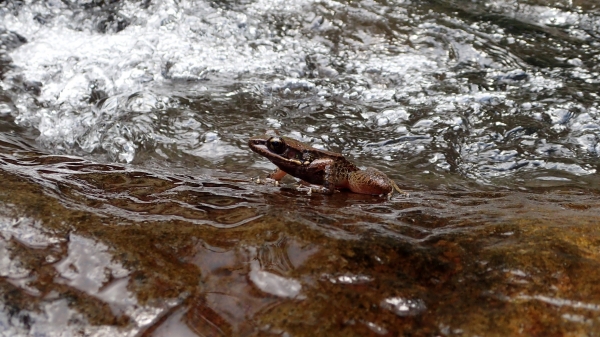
x: 276, y: 144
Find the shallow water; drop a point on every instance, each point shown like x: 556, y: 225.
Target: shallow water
x: 128, y: 205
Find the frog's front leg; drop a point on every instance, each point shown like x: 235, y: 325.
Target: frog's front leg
x: 274, y: 177
x: 277, y: 175
x: 329, y: 178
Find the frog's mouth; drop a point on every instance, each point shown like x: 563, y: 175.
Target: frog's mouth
x: 289, y: 158
x: 259, y: 146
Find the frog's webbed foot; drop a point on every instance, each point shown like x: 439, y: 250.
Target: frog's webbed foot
x: 263, y: 181
x: 310, y: 188
x: 272, y: 178
x: 395, y: 187
x: 401, y: 192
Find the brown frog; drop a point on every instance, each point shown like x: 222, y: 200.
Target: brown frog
x: 328, y: 169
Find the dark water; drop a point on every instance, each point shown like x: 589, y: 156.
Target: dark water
x: 128, y: 205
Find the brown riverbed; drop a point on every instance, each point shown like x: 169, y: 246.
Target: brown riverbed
x: 108, y: 244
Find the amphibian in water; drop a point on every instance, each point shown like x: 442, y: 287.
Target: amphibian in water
x: 328, y: 169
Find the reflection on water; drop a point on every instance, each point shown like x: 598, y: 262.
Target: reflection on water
x: 127, y: 205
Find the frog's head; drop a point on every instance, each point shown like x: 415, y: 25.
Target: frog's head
x: 287, y: 153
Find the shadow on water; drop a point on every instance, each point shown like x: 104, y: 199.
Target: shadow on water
x: 103, y: 248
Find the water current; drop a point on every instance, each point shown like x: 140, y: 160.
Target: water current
x: 129, y: 204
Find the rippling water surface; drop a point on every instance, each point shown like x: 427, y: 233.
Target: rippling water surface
x: 128, y: 207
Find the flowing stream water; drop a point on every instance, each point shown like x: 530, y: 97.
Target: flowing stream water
x: 129, y: 204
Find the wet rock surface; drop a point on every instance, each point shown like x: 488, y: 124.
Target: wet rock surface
x: 157, y: 255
